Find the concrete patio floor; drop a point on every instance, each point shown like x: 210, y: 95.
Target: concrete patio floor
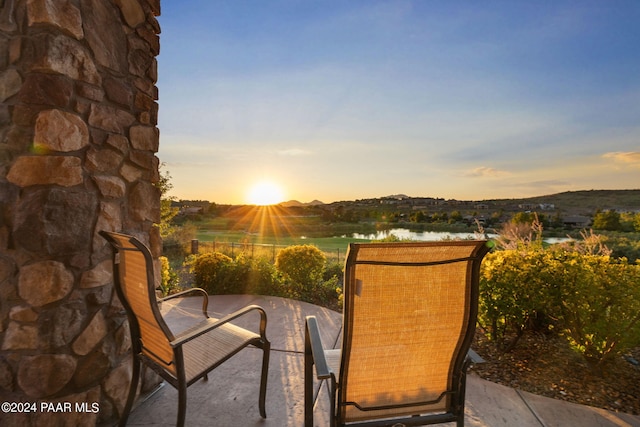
x: 230, y: 397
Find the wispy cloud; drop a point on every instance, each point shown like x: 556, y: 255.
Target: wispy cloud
x: 631, y: 158
x: 294, y: 152
x: 486, y: 172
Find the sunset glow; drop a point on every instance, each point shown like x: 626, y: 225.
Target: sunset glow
x: 452, y: 100
x: 265, y: 193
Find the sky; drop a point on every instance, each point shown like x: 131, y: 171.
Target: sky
x: 346, y: 100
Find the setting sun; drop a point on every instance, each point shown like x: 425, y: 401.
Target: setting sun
x: 265, y: 193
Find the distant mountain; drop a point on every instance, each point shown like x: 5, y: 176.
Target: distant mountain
x: 295, y: 203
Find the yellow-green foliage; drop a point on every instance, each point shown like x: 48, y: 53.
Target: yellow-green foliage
x: 212, y: 272
x: 301, y: 274
x: 594, y: 300
x: 510, y: 292
x: 599, y: 303
x: 302, y: 265
x: 169, y: 282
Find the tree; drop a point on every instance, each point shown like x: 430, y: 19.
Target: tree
x: 607, y: 220
x: 456, y: 216
x: 419, y: 216
x: 167, y: 212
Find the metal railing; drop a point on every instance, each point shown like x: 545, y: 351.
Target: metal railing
x: 269, y: 251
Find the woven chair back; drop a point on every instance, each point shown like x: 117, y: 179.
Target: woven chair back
x: 409, y: 319
x: 135, y: 282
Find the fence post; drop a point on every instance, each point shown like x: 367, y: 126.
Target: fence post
x: 194, y: 246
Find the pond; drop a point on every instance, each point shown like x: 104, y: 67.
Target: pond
x: 433, y: 236
x: 423, y: 236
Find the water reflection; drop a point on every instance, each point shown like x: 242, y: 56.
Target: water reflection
x: 423, y: 236
x: 434, y: 236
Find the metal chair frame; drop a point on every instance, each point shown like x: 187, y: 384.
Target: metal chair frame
x: 174, y: 370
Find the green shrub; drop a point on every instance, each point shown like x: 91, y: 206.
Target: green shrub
x: 302, y: 266
x: 169, y: 282
x: 325, y: 293
x: 259, y: 276
x: 214, y: 273
x: 334, y: 269
x: 594, y: 300
x: 220, y: 274
x: 599, y: 304
x: 306, y: 276
x: 512, y: 296
x: 299, y: 273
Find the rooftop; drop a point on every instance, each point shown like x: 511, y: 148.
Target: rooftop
x: 230, y: 396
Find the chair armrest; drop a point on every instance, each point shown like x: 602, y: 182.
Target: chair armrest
x: 474, y: 357
x: 205, y: 295
x: 313, y: 347
x: 180, y: 340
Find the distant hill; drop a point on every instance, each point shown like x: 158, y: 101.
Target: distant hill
x: 583, y: 201
x: 567, y: 203
x: 295, y: 203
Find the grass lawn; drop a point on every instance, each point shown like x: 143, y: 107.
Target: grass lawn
x: 326, y: 244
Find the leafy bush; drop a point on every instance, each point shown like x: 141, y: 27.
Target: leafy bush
x: 334, y: 269
x: 325, y: 293
x: 214, y: 272
x: 259, y: 276
x: 300, y: 273
x: 512, y: 297
x: 220, y: 274
x: 302, y: 266
x: 169, y: 282
x: 599, y: 304
x: 592, y: 298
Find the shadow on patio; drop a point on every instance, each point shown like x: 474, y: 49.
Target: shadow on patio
x: 230, y: 397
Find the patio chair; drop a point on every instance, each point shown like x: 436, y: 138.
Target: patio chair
x: 181, y: 359
x: 409, y: 318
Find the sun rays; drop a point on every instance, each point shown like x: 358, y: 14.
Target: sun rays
x: 262, y: 221
x: 265, y: 193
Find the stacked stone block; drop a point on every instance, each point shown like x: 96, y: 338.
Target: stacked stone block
x: 78, y: 138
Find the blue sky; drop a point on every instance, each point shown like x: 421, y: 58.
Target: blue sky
x: 343, y: 100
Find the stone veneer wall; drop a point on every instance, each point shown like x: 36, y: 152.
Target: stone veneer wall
x: 78, y: 139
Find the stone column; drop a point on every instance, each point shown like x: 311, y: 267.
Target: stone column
x: 78, y: 139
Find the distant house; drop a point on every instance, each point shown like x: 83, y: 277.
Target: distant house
x: 528, y: 206
x: 191, y: 210
x: 536, y: 206
x: 474, y: 220
x: 576, y: 221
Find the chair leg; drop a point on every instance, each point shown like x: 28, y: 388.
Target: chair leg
x: 133, y: 388
x: 462, y: 391
x: 308, y: 389
x: 182, y: 402
x: 266, y: 348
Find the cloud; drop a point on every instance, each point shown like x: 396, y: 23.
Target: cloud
x: 631, y: 158
x: 294, y: 152
x: 486, y: 172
